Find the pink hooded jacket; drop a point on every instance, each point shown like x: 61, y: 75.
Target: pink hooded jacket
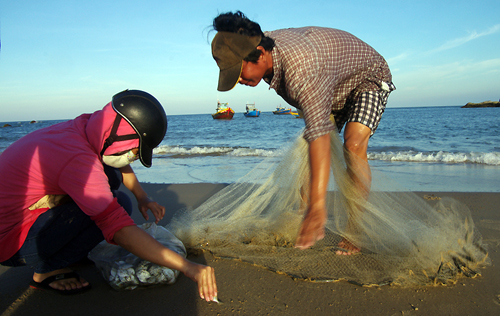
x: 57, y: 160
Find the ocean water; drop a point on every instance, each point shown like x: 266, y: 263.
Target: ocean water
x: 421, y: 149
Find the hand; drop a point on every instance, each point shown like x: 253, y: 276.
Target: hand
x: 144, y: 246
x: 205, y: 277
x: 146, y: 204
x: 312, y: 228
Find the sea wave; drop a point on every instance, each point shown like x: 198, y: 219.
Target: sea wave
x: 175, y: 151
x: 492, y: 158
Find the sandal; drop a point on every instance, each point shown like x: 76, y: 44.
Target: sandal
x: 45, y: 284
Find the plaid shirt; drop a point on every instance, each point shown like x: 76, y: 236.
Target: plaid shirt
x: 316, y: 69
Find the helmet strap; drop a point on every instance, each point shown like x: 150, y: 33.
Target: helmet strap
x: 115, y: 138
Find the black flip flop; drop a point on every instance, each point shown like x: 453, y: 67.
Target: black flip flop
x: 44, y: 285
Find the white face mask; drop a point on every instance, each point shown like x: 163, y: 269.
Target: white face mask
x: 121, y: 160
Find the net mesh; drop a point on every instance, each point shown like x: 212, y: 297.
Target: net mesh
x: 403, y: 239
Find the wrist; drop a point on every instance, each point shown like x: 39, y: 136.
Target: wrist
x: 317, y: 202
x: 186, y: 267
x: 144, y: 198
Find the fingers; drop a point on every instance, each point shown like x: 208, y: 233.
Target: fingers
x: 204, y: 276
x: 160, y: 212
x: 144, y: 212
x: 157, y: 210
x: 207, y: 286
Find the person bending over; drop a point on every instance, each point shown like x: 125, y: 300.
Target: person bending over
x: 323, y: 72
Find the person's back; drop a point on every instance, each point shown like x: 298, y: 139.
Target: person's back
x: 335, y: 61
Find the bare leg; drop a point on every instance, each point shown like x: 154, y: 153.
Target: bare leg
x: 356, y: 137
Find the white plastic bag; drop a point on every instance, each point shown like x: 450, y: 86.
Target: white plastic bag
x: 125, y: 271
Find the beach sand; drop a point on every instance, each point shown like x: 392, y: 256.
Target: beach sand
x: 245, y: 289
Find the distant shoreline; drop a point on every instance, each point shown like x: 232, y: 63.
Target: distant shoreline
x: 485, y: 104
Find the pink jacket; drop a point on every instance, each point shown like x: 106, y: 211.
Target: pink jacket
x: 60, y: 159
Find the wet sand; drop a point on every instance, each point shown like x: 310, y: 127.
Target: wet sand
x: 245, y: 289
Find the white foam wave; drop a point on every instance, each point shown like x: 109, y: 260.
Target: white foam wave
x: 241, y: 152
x: 440, y: 157
x: 207, y: 151
x: 492, y: 158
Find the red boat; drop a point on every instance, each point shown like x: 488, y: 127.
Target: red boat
x: 224, y: 112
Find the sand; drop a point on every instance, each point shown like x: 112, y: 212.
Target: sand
x: 250, y: 290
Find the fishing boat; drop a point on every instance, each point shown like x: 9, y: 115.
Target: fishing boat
x: 281, y: 110
x: 297, y: 114
x: 251, y: 110
x: 224, y: 112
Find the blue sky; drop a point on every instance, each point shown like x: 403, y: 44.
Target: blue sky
x: 59, y: 59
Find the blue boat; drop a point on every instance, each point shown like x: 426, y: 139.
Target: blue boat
x: 251, y: 111
x: 281, y: 110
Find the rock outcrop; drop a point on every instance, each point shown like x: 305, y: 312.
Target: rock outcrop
x: 485, y: 104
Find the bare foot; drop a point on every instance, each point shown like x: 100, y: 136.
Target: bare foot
x: 63, y: 284
x: 312, y: 228
x: 347, y: 248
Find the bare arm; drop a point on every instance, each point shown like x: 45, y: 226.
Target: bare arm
x: 141, y: 244
x: 312, y: 228
x: 145, y: 203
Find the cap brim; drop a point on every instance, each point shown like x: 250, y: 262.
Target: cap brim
x: 146, y: 155
x: 228, y: 78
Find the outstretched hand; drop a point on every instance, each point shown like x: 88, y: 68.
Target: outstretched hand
x: 143, y: 245
x: 147, y: 204
x: 205, y: 277
x: 312, y: 228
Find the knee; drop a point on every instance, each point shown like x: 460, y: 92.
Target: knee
x: 114, y: 177
x: 124, y: 200
x: 355, y: 147
x: 356, y: 137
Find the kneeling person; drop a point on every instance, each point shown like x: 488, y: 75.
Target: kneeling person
x: 59, y: 194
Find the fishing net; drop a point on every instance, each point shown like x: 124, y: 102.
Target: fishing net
x: 403, y: 238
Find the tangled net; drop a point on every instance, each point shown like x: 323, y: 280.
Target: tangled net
x: 404, y: 239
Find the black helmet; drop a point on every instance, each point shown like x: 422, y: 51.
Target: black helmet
x: 146, y: 116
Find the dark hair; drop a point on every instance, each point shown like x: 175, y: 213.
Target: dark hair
x: 237, y: 22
